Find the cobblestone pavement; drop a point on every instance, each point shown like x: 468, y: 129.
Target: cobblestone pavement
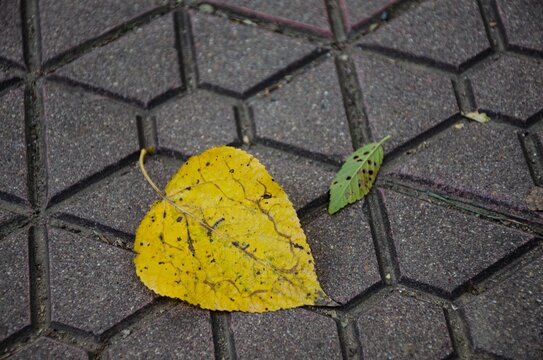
x: 444, y: 258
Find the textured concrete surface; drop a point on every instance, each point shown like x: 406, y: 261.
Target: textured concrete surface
x: 141, y: 65
x: 441, y: 260
x: 449, y: 32
x: 294, y: 334
x: 444, y: 249
x: 14, y: 284
x: 404, y: 328
x: 238, y: 56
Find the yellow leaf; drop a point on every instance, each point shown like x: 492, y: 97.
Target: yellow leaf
x: 481, y: 117
x: 226, y: 237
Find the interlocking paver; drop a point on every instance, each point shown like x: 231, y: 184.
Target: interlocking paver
x: 308, y: 112
x: 302, y: 179
x: 449, y: 32
x: 85, y: 133
x: 401, y: 102
x: 11, y: 34
x: 510, y: 86
x: 140, y: 65
x: 183, y: 332
x: 12, y: 134
x: 309, y: 15
x: 45, y: 348
x: 443, y: 248
x: 14, y: 284
x: 120, y: 201
x: 402, y: 327
x: 237, y: 57
x: 344, y: 254
x: 359, y: 11
x: 508, y: 319
x: 195, y: 122
x: 493, y: 170
x: 66, y: 23
x: 292, y: 334
x: 107, y: 289
x: 523, y: 22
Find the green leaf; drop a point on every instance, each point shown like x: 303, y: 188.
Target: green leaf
x: 477, y: 116
x: 357, y: 175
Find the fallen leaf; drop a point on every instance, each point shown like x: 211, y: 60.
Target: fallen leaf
x: 477, y: 116
x: 357, y: 175
x: 459, y: 125
x: 226, y: 237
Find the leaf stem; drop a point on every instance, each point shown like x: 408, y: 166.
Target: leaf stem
x: 144, y: 152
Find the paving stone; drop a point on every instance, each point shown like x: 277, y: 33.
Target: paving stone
x: 120, y: 201
x: 343, y: 250
x: 67, y: 23
x: 523, y: 22
x: 449, y: 32
x: 12, y: 136
x: 140, y: 65
x: 237, y: 57
x: 11, y: 32
x: 307, y: 112
x: 93, y: 285
x: 196, y: 122
x: 442, y: 247
x: 508, y: 320
x: 85, y: 133
x: 14, y: 284
x: 181, y: 333
x: 45, y: 348
x: 402, y: 102
x: 302, y: 179
x: 510, y: 86
x: 478, y: 161
x: 402, y: 327
x: 359, y: 11
x: 286, y: 334
x: 309, y: 15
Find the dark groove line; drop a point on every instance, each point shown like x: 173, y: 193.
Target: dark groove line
x: 477, y: 59
x: 351, y: 348
x: 245, y: 124
x: 330, y: 163
x: 147, y: 132
x: 458, y: 333
x: 411, y: 58
x: 223, y: 339
x: 502, y: 270
x: 493, y: 25
x: 186, y: 51
x: 311, y: 211
x: 31, y: 35
x: 13, y: 225
x: 337, y: 20
x: 385, y: 250
x: 221, y: 91
x: 8, y: 65
x: 533, y: 153
x: 90, y: 224
x: 401, y: 151
x: 372, y: 296
x: 426, y: 288
x: 164, y: 97
x: 271, y: 24
x: 92, y: 179
x: 104, y: 39
x: 9, y: 84
x: 10, y: 198
x: 83, y: 337
x: 520, y: 50
x: 463, y: 91
x: 40, y: 305
x: 14, y: 342
x: 415, y: 290
x: 132, y: 102
x: 291, y: 68
x: 353, y: 101
x: 506, y: 119
x: 474, y: 205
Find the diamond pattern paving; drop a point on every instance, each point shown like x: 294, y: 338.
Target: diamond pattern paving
x: 76, y: 78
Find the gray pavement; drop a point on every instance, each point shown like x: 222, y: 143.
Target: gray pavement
x: 443, y: 259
